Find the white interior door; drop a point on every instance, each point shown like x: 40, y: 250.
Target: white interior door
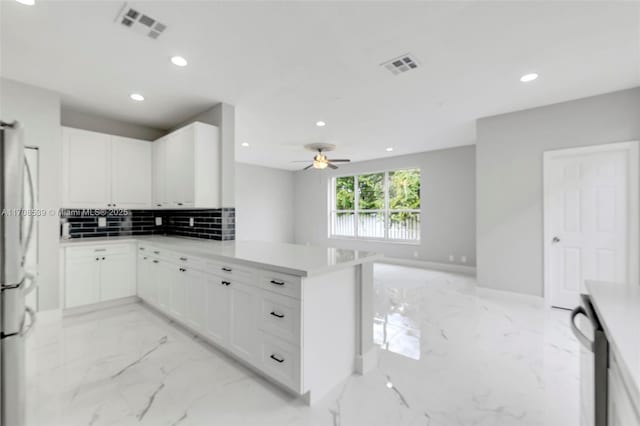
x: 591, y: 219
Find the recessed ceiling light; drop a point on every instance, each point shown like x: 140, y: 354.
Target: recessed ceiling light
x: 528, y: 77
x: 27, y: 2
x: 245, y: 144
x: 137, y: 97
x: 179, y: 61
x: 320, y: 123
x: 389, y: 149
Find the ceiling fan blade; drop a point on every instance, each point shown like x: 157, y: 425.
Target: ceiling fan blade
x: 308, y: 167
x: 333, y: 166
x: 342, y: 160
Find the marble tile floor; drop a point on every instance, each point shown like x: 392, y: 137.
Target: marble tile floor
x: 451, y: 354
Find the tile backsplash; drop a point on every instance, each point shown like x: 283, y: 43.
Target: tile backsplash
x: 213, y: 224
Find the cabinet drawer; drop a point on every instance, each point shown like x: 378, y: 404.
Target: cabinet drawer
x: 280, y: 315
x: 287, y: 285
x: 232, y: 271
x: 102, y: 250
x: 280, y: 360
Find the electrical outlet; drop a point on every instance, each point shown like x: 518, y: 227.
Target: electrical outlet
x: 158, y: 220
x: 102, y: 222
x: 190, y: 221
x: 452, y: 258
x: 463, y: 259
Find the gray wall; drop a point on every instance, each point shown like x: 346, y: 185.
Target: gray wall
x: 448, y: 205
x: 223, y: 116
x: 96, y: 123
x: 509, y: 151
x: 264, y: 204
x: 39, y: 112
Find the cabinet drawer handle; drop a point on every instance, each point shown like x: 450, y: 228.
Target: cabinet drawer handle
x: 103, y: 258
x: 226, y: 269
x: 182, y: 270
x: 277, y: 315
x: 184, y: 259
x: 277, y: 282
x: 275, y: 358
x: 140, y: 248
x: 97, y: 258
x: 102, y: 249
x: 227, y: 283
x: 156, y: 252
x: 155, y: 261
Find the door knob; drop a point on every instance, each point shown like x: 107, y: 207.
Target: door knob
x: 555, y: 240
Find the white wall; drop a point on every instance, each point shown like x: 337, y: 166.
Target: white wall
x: 447, y: 213
x: 264, y: 203
x: 96, y: 123
x: 509, y: 175
x: 39, y: 112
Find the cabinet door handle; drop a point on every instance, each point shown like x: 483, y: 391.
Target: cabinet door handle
x: 158, y: 205
x: 156, y: 252
x: 275, y: 358
x: 103, y: 258
x: 97, y: 258
x: 224, y: 268
x: 145, y: 258
x: 155, y: 261
x: 277, y: 315
x: 277, y: 282
x: 179, y: 204
x: 182, y: 270
x: 184, y: 259
x: 140, y: 248
x: 227, y: 283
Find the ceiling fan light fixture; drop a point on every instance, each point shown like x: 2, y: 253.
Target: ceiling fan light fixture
x: 320, y: 164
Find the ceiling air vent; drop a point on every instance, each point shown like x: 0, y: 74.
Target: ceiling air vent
x: 404, y: 63
x: 139, y: 22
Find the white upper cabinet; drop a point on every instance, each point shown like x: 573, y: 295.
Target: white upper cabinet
x: 186, y: 168
x: 86, y: 170
x: 102, y: 171
x: 158, y: 160
x: 130, y: 172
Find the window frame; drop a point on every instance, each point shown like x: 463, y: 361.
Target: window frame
x: 386, y: 211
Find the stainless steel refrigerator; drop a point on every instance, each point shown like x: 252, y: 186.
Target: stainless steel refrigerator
x: 16, y: 229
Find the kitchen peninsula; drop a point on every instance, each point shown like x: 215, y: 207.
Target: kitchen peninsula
x: 299, y: 315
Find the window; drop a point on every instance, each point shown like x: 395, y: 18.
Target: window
x: 383, y: 206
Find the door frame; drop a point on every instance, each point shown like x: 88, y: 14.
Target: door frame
x: 632, y: 149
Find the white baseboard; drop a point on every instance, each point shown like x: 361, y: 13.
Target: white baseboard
x: 424, y: 264
x: 367, y: 361
x: 102, y: 305
x: 50, y: 316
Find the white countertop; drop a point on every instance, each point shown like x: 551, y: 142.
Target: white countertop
x: 618, y: 307
x: 292, y: 259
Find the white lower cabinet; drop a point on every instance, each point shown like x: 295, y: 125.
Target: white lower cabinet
x: 177, y: 293
x: 99, y: 273
x: 163, y: 275
x: 243, y: 330
x: 196, y: 291
x: 622, y: 410
x: 117, y: 276
x: 217, y: 296
x: 82, y: 281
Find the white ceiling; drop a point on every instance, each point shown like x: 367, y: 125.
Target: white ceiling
x: 286, y: 65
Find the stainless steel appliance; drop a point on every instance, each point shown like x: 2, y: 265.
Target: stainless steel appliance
x: 594, y: 364
x: 16, y: 228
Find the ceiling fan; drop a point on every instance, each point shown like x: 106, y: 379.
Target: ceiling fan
x: 320, y: 161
